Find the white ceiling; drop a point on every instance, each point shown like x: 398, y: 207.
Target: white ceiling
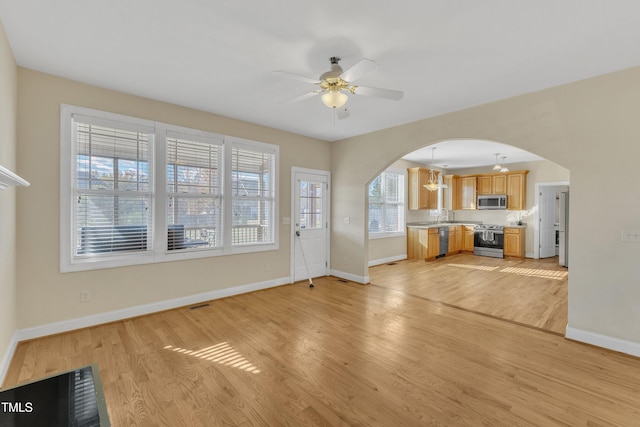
x: 219, y: 56
x: 467, y: 153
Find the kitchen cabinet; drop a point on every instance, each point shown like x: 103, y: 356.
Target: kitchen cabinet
x: 516, y: 191
x: 466, y: 190
x: 433, y: 245
x: 467, y: 242
x: 514, y: 241
x: 419, y: 196
x: 422, y: 243
x: 499, y: 184
x: 492, y: 184
x: 455, y: 238
x: 417, y: 241
x: 485, y: 184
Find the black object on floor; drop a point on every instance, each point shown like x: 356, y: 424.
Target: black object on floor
x: 74, y: 398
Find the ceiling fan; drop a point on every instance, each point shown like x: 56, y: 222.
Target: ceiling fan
x: 335, y: 84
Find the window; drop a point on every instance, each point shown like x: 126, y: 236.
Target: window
x: 386, y: 205
x: 253, y: 196
x: 194, y: 192
x: 135, y: 191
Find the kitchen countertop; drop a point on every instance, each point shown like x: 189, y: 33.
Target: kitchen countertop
x: 433, y: 224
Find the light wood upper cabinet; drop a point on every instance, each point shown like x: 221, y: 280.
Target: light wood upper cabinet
x: 499, y: 184
x: 419, y: 196
x: 517, y: 191
x: 492, y: 184
x: 485, y: 185
x: 467, y: 192
x: 465, y: 189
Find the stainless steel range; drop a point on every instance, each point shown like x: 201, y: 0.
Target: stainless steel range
x: 488, y: 240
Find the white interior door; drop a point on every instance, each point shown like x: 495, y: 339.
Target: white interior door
x: 310, y: 254
x: 547, y: 222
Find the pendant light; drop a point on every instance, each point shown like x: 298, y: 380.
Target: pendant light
x: 504, y: 167
x: 432, y: 184
x: 497, y: 166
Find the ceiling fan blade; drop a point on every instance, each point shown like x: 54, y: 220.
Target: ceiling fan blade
x: 342, y: 113
x: 363, y: 67
x: 301, y: 97
x: 394, y: 95
x: 297, y: 77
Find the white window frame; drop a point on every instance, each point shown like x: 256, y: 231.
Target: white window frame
x: 159, y: 253
x: 389, y: 234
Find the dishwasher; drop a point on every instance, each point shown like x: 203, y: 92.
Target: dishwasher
x: 444, y: 241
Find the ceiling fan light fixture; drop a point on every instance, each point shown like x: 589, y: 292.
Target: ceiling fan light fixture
x: 334, y: 99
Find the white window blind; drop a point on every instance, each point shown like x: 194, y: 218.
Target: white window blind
x: 253, y: 196
x: 386, y: 203
x: 112, y: 190
x: 194, y: 192
x: 134, y: 191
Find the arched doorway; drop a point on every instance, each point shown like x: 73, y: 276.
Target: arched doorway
x: 471, y: 283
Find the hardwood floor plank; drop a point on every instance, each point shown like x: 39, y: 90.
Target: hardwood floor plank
x: 347, y: 354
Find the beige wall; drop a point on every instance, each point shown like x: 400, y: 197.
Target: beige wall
x: 577, y: 126
x: 44, y: 294
x: 8, y: 109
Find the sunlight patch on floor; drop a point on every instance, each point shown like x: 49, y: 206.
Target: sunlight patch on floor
x: 474, y: 267
x: 536, y: 272
x: 222, y: 354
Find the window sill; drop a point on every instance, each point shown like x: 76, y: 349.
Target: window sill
x: 374, y: 236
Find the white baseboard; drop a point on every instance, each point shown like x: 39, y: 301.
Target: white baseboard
x: 112, y: 316
x: 343, y: 275
x: 8, y: 356
x: 617, y: 344
x: 387, y: 260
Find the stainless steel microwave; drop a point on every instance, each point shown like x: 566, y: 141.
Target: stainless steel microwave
x: 492, y: 201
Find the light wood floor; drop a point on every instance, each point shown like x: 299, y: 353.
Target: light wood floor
x: 527, y: 291
x: 340, y: 354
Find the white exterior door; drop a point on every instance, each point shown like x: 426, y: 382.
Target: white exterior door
x: 310, y: 224
x: 547, y: 222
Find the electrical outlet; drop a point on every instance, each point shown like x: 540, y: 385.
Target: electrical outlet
x: 267, y: 267
x: 630, y: 235
x: 85, y: 296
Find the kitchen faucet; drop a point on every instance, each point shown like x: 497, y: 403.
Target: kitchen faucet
x: 444, y: 212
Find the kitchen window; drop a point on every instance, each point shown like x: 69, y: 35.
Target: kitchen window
x: 135, y: 191
x: 386, y: 205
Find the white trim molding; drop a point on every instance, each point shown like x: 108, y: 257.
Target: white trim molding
x: 352, y: 277
x: 604, y: 341
x: 381, y: 261
x: 7, y: 357
x: 10, y: 179
x: 140, y: 310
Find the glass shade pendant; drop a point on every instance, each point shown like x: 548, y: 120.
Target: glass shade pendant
x: 497, y: 166
x: 504, y: 168
x: 334, y: 99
